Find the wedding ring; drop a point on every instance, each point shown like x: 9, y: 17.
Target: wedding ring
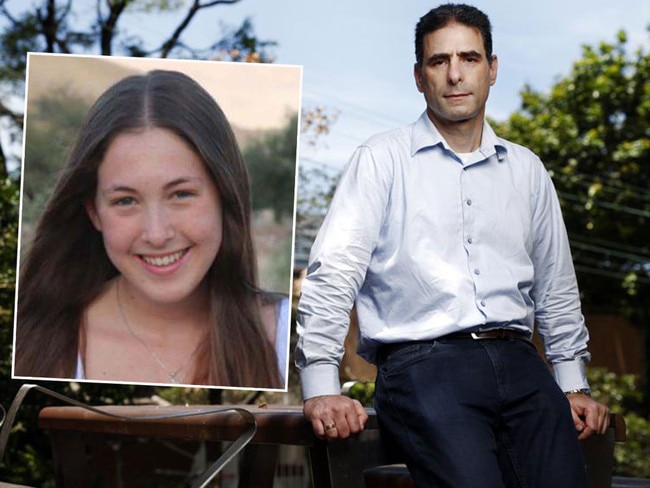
x: 330, y: 426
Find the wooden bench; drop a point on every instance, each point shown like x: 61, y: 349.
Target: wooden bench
x: 340, y: 464
x: 81, y: 435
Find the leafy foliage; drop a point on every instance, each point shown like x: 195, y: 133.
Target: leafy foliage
x: 51, y: 131
x: 9, y: 195
x: 271, y: 161
x: 592, y: 133
x: 317, y: 123
x: 624, y: 394
x: 316, y: 182
x: 242, y: 44
x: 62, y: 26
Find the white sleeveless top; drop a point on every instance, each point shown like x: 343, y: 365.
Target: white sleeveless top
x: 281, y: 342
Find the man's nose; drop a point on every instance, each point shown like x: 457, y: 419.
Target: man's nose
x: 455, y: 72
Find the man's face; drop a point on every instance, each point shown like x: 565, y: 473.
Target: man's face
x: 455, y: 76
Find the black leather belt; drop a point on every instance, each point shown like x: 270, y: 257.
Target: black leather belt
x: 491, y: 334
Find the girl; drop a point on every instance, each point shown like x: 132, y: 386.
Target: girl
x: 142, y: 268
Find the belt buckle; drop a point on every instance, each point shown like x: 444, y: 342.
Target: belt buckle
x: 477, y: 337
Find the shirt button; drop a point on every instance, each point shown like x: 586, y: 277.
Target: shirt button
x: 469, y: 240
x: 482, y: 303
x: 477, y: 271
x: 468, y: 201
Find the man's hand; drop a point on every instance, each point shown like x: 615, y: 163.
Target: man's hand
x: 589, y: 416
x: 335, y: 416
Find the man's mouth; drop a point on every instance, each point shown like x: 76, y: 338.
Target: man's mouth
x: 164, y: 260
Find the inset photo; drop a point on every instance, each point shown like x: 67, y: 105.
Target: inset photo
x: 156, y: 228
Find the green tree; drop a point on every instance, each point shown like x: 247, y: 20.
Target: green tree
x: 9, y: 196
x: 59, y: 116
x: 271, y: 161
x: 68, y: 26
x: 591, y: 131
x: 316, y: 182
x: 77, y: 27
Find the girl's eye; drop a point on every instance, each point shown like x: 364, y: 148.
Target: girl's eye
x: 182, y: 194
x: 123, y: 201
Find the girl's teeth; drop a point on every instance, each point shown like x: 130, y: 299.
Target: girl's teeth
x: 163, y: 260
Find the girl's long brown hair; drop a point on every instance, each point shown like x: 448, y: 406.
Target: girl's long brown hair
x: 67, y: 265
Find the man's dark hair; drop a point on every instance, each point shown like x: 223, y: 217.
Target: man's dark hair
x: 443, y: 15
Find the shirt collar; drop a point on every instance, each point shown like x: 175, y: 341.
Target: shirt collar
x: 425, y: 134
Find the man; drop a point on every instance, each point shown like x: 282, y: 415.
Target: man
x: 451, y: 243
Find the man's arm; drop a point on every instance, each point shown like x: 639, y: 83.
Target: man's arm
x: 558, y: 314
x: 339, y: 260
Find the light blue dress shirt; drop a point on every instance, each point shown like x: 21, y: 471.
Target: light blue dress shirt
x: 428, y: 245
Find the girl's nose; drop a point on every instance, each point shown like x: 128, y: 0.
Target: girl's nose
x: 158, y: 227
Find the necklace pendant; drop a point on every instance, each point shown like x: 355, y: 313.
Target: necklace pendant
x: 173, y: 379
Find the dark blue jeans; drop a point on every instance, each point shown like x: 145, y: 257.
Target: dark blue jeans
x: 478, y: 414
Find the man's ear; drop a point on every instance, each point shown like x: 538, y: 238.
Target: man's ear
x: 493, y: 69
x: 92, y: 214
x: 417, y: 74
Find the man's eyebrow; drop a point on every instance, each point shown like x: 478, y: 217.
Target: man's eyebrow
x: 438, y: 57
x: 445, y: 56
x: 470, y: 54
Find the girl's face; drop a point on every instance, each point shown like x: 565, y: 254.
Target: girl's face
x: 159, y: 213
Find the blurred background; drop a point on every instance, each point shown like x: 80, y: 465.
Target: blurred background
x: 573, y: 85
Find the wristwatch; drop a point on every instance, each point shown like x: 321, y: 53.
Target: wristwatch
x: 579, y: 391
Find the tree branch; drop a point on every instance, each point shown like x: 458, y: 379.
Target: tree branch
x: 50, y: 25
x: 173, y: 40
x: 108, y: 27
x: 6, y: 13
x: 16, y: 118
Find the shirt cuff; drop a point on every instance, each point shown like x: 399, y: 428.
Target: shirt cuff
x: 571, y: 375
x: 320, y: 379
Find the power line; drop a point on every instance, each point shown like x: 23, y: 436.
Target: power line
x: 609, y: 274
x: 362, y: 112
x: 607, y: 205
x: 611, y: 244
x: 610, y: 252
x: 628, y: 189
x: 322, y: 164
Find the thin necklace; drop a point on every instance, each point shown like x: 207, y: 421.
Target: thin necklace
x: 174, y: 377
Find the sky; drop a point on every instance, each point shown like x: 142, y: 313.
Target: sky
x: 357, y: 55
